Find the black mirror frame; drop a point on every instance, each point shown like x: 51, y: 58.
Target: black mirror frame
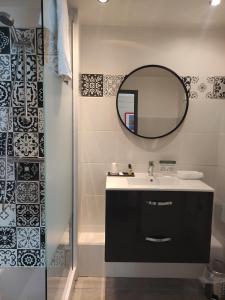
x: 187, y: 100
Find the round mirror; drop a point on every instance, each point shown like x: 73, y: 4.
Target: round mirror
x: 152, y: 101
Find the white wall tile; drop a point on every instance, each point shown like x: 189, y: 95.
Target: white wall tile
x: 199, y: 149
x: 93, y: 179
x: 203, y: 117
x: 221, y: 150
x: 130, y: 149
x: 220, y: 184
x: 98, y: 146
x: 222, y: 121
x: 98, y: 114
x: 92, y: 213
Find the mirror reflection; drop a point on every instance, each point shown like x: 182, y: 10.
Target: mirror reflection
x: 152, y: 101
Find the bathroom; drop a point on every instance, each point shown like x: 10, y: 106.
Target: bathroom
x: 61, y: 124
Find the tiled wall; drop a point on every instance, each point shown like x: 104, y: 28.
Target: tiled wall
x: 107, y: 55
x: 22, y: 222
x: 104, y: 140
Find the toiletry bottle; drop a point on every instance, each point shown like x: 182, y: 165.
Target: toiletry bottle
x: 130, y: 171
x: 114, y: 169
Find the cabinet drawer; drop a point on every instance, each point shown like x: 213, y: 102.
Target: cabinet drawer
x: 162, y: 213
x: 157, y: 226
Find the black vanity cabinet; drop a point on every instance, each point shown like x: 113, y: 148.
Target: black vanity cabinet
x: 158, y: 226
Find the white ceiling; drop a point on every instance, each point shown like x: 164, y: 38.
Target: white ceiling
x: 151, y: 13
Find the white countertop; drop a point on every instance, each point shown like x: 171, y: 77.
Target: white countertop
x: 141, y: 181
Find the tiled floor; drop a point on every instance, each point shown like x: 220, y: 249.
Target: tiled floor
x: 93, y: 288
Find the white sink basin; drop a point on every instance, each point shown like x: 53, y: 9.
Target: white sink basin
x: 159, y: 182
x: 167, y: 180
x: 141, y: 181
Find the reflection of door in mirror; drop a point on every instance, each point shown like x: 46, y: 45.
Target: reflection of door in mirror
x: 128, y: 108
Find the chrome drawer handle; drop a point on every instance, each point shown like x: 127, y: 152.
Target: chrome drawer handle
x: 154, y: 203
x: 155, y: 240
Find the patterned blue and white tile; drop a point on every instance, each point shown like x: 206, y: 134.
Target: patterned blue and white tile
x: 42, y: 171
x: 42, y: 192
x: 91, y: 85
x: 202, y: 88
x: 5, y: 67
x: 7, y: 237
x: 111, y: 84
x: 5, y: 93
x: 42, y: 237
x: 40, y: 120
x: 40, y: 94
x: 41, y: 145
x: 28, y: 215
x: 28, y: 238
x: 219, y: 87
x: 27, y: 192
x: 4, y: 40
x: 10, y: 170
x: 8, y: 215
x: 10, y: 192
x: 28, y: 258
x: 6, y: 119
x: 39, y: 41
x: 8, y: 258
x: 50, y: 42
x: 28, y: 171
x: 26, y: 144
x: 23, y: 124
x: 17, y: 63
x: 187, y: 82
x: 26, y: 35
x: 40, y: 68
x: 18, y: 98
x: 6, y: 141
x: 42, y: 215
x: 43, y: 258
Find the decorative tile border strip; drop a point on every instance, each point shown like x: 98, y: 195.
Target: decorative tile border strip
x: 101, y: 85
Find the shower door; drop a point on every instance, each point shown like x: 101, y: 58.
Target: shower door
x: 58, y: 115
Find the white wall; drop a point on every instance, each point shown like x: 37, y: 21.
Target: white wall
x: 102, y: 139
x: 119, y: 50
x: 25, y: 12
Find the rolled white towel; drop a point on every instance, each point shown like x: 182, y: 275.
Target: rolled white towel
x: 190, y: 175
x: 63, y: 45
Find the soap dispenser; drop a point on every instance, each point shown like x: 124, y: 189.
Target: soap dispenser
x: 130, y: 170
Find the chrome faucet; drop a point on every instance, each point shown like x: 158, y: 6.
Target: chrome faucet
x: 151, y: 168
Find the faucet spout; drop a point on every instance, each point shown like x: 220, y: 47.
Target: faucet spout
x: 151, y: 168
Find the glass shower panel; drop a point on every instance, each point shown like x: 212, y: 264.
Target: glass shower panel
x: 59, y: 163
x: 22, y: 229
